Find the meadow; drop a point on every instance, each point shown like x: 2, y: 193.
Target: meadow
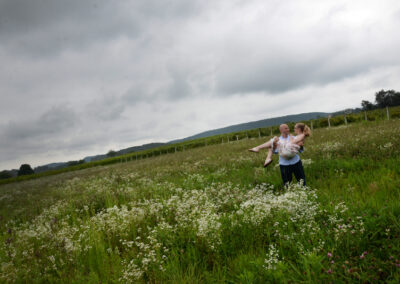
x: 214, y: 215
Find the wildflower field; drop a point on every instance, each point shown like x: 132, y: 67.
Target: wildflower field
x: 214, y: 215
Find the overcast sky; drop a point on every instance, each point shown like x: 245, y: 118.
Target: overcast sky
x: 79, y: 78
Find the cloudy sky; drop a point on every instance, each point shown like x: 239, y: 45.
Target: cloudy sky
x: 79, y: 78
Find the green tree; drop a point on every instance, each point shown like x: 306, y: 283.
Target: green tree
x: 387, y: 98
x: 367, y: 105
x: 25, y: 169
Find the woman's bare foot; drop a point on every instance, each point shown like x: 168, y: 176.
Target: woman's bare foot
x: 254, y: 150
x: 267, y: 162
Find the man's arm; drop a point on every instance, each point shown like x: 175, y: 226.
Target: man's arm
x: 299, y: 139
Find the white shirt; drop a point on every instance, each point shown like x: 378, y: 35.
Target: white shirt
x: 283, y: 161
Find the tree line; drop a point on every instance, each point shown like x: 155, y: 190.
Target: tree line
x: 26, y: 169
x: 383, y: 99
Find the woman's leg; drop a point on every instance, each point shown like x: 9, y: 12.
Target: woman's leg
x: 271, y: 149
x: 262, y: 146
x: 268, y: 160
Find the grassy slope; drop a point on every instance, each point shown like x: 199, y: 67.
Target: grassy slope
x: 358, y: 165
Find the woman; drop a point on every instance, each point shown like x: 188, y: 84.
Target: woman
x: 286, y: 149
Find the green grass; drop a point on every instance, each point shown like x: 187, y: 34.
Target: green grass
x: 213, y: 214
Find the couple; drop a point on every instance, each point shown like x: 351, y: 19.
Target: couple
x: 288, y: 147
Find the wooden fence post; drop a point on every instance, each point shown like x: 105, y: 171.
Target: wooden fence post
x: 271, y: 131
x: 329, y: 121
x: 345, y: 119
x: 365, y: 115
x: 228, y: 139
x: 259, y: 133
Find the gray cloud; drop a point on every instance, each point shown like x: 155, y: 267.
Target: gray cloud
x: 56, y: 120
x: 106, y: 108
x: 296, y: 56
x: 40, y: 28
x: 80, y: 77
x: 34, y: 135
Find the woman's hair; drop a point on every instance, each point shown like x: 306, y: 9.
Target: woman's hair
x: 304, y: 128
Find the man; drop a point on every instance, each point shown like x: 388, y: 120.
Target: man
x: 287, y: 167
x: 293, y: 165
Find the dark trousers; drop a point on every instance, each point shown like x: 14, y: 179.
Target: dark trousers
x: 296, y: 169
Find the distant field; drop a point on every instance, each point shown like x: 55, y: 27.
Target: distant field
x: 213, y: 214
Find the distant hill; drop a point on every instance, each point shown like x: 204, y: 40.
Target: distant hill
x: 52, y: 166
x: 255, y: 124
x: 347, y: 111
x: 56, y: 166
x: 125, y: 151
x: 7, y: 174
x: 229, y: 129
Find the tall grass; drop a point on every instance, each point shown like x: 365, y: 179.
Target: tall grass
x: 214, y: 214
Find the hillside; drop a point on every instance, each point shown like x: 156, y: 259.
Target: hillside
x: 232, y: 128
x: 214, y: 215
x: 124, y: 151
x: 255, y: 124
